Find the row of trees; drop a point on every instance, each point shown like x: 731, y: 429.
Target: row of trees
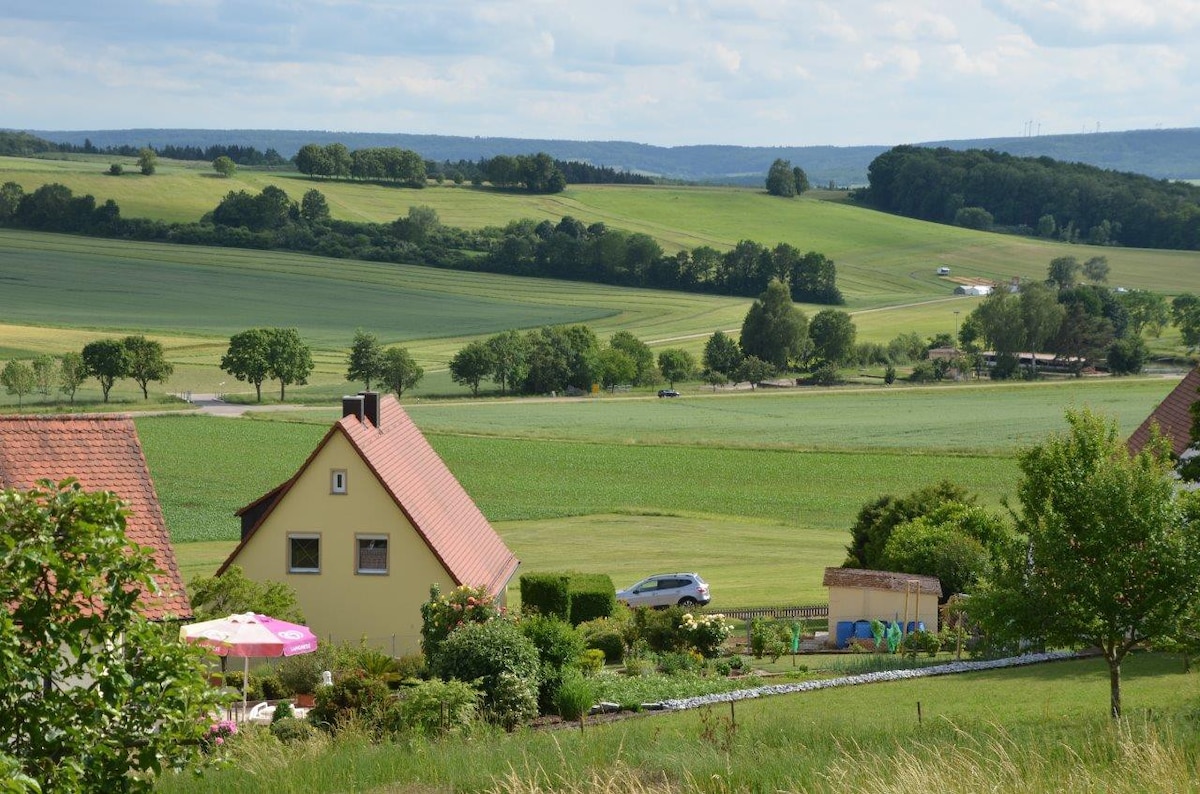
x: 107, y: 360
x: 1102, y: 552
x: 1077, y: 322
x: 1067, y: 201
x: 384, y: 164
x: 568, y: 249
x: 784, y: 179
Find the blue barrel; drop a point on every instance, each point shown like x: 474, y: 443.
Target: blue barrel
x: 862, y: 630
x: 917, y: 626
x: 845, y: 630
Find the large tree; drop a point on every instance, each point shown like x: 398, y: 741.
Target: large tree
x: 614, y: 367
x: 832, y: 332
x: 246, y: 358
x: 1185, y: 313
x: 18, y: 379
x: 93, y: 696
x: 472, y: 364
x: 1041, y: 316
x: 1110, y: 550
x: 639, y: 352
x: 147, y: 161
x: 400, y: 371
x: 676, y: 364
x: 508, y: 351
x: 145, y: 362
x: 72, y: 373
x: 722, y: 354
x: 365, y: 359
x: 215, y: 597
x: 997, y: 319
x: 43, y: 374
x: 774, y: 330
x: 289, y: 360
x: 106, y: 360
x: 781, y: 179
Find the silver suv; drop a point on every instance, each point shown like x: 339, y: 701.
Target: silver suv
x: 667, y: 589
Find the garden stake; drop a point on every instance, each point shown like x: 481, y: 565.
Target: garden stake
x: 732, y: 718
x: 918, y: 712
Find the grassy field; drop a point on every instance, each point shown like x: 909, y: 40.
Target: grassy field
x: 1032, y: 729
x: 751, y: 489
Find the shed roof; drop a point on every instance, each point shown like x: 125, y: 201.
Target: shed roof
x: 880, y: 580
x: 103, y: 453
x: 1173, y: 416
x: 424, y: 489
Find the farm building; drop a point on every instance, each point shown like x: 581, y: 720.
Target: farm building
x: 103, y: 453
x: 973, y: 289
x: 861, y: 595
x: 366, y: 525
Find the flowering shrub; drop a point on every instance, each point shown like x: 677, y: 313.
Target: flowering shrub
x: 706, y: 633
x: 441, y: 615
x: 218, y: 732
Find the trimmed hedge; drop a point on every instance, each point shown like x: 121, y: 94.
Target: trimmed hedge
x: 546, y: 594
x: 592, y: 596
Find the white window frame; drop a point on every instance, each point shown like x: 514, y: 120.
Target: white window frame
x: 358, y: 568
x: 292, y: 536
x: 338, y: 481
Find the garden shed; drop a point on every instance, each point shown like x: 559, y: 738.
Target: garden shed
x: 857, y: 595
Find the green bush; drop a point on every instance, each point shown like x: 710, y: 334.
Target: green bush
x: 351, y: 699
x: 559, y: 646
x: 512, y: 701
x: 592, y: 596
x: 706, y: 633
x: 299, y: 674
x: 291, y: 729
x: 769, y: 638
x: 487, y: 652
x: 575, y: 695
x: 676, y: 662
x: 605, y: 634
x: 546, y: 594
x: 592, y: 661
x: 659, y: 629
x: 926, y: 642
x: 272, y: 687
x: 283, y: 711
x: 441, y: 615
x: 411, y: 666
x: 435, y: 707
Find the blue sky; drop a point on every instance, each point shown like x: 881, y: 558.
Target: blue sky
x: 666, y: 72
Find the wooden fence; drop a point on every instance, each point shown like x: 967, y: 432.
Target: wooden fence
x: 811, y: 612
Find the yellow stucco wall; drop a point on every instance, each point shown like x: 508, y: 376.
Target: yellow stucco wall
x: 853, y: 603
x: 338, y: 602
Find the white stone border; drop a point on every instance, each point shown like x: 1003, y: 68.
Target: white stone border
x: 950, y: 668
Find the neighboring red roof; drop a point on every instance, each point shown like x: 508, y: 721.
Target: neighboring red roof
x: 880, y: 580
x: 103, y: 454
x: 432, y: 499
x: 1173, y: 416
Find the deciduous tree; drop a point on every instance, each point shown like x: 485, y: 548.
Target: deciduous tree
x: 832, y: 333
x: 247, y: 358
x: 43, y: 374
x: 18, y: 379
x: 676, y: 364
x: 106, y: 360
x: 400, y: 371
x: 289, y: 360
x: 508, y: 353
x: 217, y: 596
x: 224, y: 166
x: 722, y: 354
x: 1110, y: 552
x: 774, y: 330
x: 72, y: 372
x: 471, y: 364
x: 639, y: 352
x: 614, y: 367
x: 93, y: 696
x: 145, y: 362
x: 365, y: 359
x: 781, y: 180
x: 147, y: 161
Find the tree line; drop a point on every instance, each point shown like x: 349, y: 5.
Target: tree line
x: 107, y: 360
x: 271, y: 220
x: 1035, y: 196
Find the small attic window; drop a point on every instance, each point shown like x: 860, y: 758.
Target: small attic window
x: 337, y: 481
x: 304, y: 552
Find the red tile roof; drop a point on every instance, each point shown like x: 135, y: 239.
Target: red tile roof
x: 425, y: 491
x: 1173, y: 416
x: 103, y: 454
x: 880, y: 580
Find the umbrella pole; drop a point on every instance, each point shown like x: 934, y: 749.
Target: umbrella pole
x: 245, y: 683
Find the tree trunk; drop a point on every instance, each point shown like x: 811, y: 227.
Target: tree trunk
x: 1114, y: 685
x: 282, y: 385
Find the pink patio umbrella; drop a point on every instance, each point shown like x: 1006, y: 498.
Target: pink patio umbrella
x: 247, y: 635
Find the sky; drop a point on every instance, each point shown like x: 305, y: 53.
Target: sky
x: 663, y: 72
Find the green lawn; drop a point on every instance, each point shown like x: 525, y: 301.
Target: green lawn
x: 1042, y: 728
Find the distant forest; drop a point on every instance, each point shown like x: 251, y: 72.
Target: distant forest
x: 1037, y: 196
x: 566, y: 250
x: 1164, y: 154
x: 385, y: 164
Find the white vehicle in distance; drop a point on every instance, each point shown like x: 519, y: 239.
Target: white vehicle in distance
x: 665, y: 590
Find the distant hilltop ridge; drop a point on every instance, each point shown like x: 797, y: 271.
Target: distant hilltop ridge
x: 1163, y: 154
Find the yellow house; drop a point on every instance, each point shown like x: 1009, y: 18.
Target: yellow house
x: 856, y: 594
x: 368, y: 523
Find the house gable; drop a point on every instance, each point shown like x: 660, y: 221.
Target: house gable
x: 372, y: 477
x: 103, y: 453
x: 1173, y: 417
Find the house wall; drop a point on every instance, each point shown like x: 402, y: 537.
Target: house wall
x: 854, y: 603
x: 338, y: 602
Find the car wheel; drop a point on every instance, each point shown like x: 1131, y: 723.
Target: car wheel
x: 688, y: 602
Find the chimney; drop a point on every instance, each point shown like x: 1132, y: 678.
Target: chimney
x: 370, y: 406
x: 352, y: 405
